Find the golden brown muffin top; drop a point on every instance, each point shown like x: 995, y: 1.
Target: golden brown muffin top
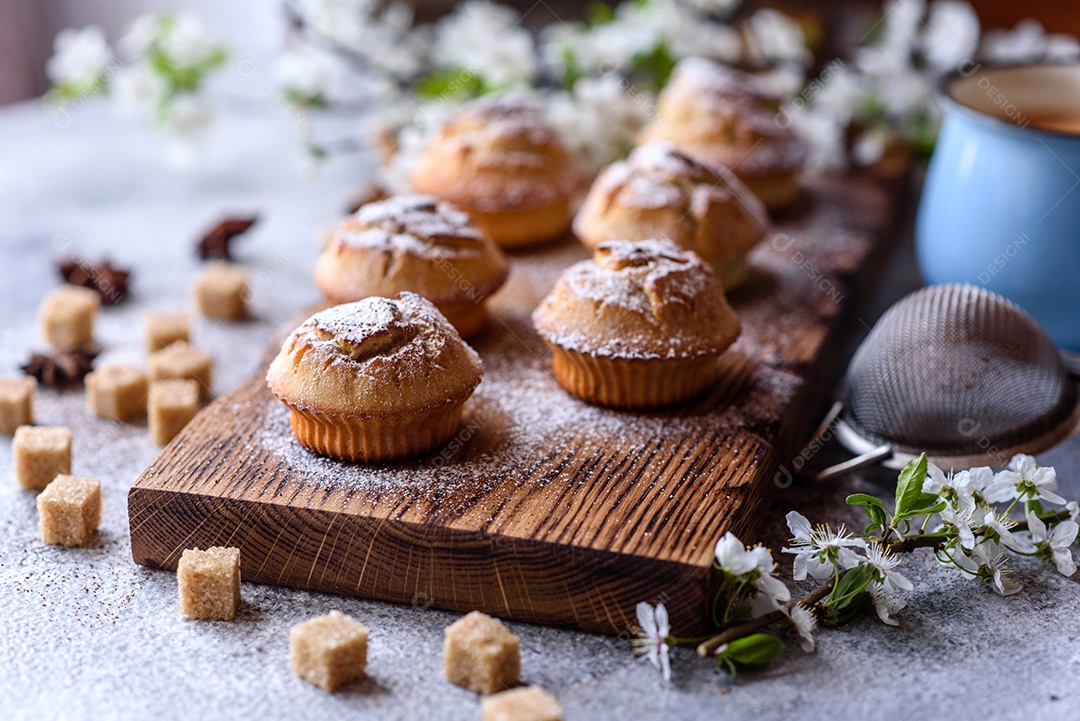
x: 415, y: 243
x: 659, y: 191
x: 720, y: 115
x: 498, y: 154
x: 374, y: 358
x: 644, y: 300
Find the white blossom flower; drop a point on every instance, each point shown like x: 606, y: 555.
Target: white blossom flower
x: 843, y: 94
x: 599, y: 118
x: 1024, y: 479
x: 777, y: 38
x: 81, y: 57
x: 952, y: 34
x: 306, y: 73
x: 1001, y: 576
x: 885, y: 563
x: 804, y: 622
x: 1056, y: 545
x: 1028, y: 41
x: 820, y: 551
x: 140, y: 37
x: 652, y: 633
x: 870, y: 146
x: 820, y: 132
x: 902, y: 24
x: 1074, y: 510
x: 381, y: 33
x: 997, y: 528
x: 956, y: 488
x: 981, y: 479
x: 886, y: 603
x: 734, y: 558
x: 137, y: 89
x: 959, y: 522
x: 488, y: 39
x: 186, y: 41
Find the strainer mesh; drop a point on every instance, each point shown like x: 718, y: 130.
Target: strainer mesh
x: 956, y: 370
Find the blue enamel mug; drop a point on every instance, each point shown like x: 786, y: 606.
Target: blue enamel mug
x: 1000, y: 207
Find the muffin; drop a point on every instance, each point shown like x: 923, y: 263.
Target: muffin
x: 499, y: 160
x: 377, y: 380
x: 414, y: 243
x: 660, y: 192
x: 719, y: 116
x: 639, y: 326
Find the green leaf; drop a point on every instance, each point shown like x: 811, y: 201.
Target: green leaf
x: 876, y: 515
x: 909, y: 485
x: 599, y: 13
x: 864, y: 499
x: 573, y: 71
x: 451, y: 83
x: 850, y: 586
x: 655, y: 65
x: 755, y: 650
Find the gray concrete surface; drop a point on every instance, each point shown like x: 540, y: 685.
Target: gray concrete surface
x: 86, y: 634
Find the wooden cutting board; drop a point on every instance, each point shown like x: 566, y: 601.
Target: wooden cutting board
x: 542, y: 508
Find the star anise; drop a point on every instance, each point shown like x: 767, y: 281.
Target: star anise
x: 109, y: 281
x: 61, y: 369
x: 215, y: 244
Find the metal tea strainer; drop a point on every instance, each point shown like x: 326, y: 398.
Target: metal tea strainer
x: 959, y: 372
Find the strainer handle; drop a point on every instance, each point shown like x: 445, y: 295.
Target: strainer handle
x: 869, y: 458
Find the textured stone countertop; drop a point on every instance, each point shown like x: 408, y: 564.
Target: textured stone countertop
x: 86, y: 634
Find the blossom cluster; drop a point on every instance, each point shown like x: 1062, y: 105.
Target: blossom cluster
x: 158, y: 71
x: 973, y: 530
x: 597, y: 78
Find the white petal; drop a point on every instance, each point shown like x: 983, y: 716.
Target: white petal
x: 800, y: 527
x: 800, y: 566
x: 662, y: 626
x: 774, y: 588
x: 1064, y: 534
x: 1037, y: 527
x: 899, y: 580
x: 1063, y: 559
x: 1051, y: 496
x: 981, y: 478
x: 645, y: 618
x: 665, y: 662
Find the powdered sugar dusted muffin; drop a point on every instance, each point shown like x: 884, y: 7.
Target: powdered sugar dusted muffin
x: 718, y: 115
x: 641, y: 325
x: 419, y: 244
x: 375, y: 380
x: 661, y: 192
x: 499, y: 160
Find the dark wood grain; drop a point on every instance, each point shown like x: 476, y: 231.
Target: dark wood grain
x: 542, y: 509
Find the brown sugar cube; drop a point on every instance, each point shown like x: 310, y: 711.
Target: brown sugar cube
x: 117, y: 392
x: 481, y: 654
x: 69, y: 510
x: 209, y: 583
x: 172, y: 405
x: 16, y: 403
x: 41, y: 454
x: 164, y: 329
x: 67, y: 317
x: 221, y: 291
x: 329, y: 651
x: 528, y: 703
x: 181, y: 361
